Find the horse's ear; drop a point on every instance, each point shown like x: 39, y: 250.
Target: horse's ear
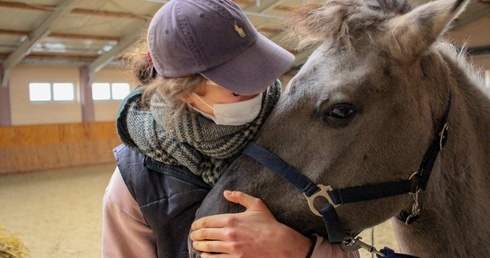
x: 313, y: 23
x: 411, y: 34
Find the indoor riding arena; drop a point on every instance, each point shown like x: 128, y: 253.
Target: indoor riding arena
x: 63, y: 77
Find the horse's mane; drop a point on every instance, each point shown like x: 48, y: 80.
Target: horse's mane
x: 339, y: 19
x: 458, y: 57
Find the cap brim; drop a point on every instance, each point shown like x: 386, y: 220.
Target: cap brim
x: 253, y: 70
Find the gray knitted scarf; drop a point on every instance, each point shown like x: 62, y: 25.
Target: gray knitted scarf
x: 188, y: 139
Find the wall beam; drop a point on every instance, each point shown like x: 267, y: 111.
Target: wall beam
x: 5, y: 111
x: 88, y: 109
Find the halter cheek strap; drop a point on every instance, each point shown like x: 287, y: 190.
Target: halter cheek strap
x: 334, y: 197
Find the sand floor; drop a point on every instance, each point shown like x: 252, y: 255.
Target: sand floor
x: 57, y: 214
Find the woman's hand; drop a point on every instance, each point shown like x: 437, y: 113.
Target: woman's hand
x: 252, y: 233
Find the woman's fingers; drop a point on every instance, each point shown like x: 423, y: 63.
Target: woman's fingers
x: 247, y: 201
x: 209, y: 234
x: 250, y: 203
x: 208, y: 246
x: 252, y: 233
x: 215, y: 221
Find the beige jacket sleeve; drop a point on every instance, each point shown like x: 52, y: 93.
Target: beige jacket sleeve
x: 125, y: 233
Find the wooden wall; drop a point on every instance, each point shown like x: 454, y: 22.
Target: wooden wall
x: 42, y: 147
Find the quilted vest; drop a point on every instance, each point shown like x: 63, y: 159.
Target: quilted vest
x: 168, y: 197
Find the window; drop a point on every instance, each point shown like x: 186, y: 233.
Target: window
x: 63, y: 92
x: 46, y: 91
x: 39, y: 91
x: 120, y: 90
x: 110, y: 91
x: 101, y: 91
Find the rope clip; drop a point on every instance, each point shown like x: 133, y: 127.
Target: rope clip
x: 353, y: 244
x: 415, y: 206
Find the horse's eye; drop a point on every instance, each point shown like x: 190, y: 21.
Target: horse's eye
x: 339, y: 115
x: 341, y: 111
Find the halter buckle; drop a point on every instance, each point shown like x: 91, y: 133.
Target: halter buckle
x: 323, y: 192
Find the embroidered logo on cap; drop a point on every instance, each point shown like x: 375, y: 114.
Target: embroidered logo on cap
x: 240, y: 31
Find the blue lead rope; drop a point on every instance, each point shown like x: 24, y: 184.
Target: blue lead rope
x: 389, y: 253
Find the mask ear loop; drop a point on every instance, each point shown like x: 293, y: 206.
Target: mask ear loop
x: 211, y: 117
x: 197, y: 96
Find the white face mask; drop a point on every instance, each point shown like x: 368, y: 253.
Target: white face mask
x: 236, y: 113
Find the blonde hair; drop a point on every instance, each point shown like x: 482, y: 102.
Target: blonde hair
x: 173, y: 90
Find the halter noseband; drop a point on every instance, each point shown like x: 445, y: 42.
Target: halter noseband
x: 335, y: 197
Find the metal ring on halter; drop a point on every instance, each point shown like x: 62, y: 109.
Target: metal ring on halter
x: 412, y: 175
x: 323, y: 192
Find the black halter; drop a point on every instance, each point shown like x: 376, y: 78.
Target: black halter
x: 418, y: 181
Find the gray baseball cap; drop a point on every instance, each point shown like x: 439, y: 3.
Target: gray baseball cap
x: 215, y: 39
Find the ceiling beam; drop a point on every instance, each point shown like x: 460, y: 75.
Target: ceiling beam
x: 270, y: 30
x: 104, y: 59
x: 478, y: 51
x: 83, y: 11
x: 62, y: 35
x: 244, y: 2
x: 18, y: 5
x: 110, y: 14
x: 14, y: 32
x: 263, y: 6
x: 475, y: 16
x: 283, y: 8
x: 88, y: 58
x: 82, y: 36
x: 238, y: 2
x: 34, y: 37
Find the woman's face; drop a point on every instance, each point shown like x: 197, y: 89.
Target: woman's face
x: 214, y: 94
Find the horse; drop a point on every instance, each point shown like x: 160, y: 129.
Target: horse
x: 388, y: 119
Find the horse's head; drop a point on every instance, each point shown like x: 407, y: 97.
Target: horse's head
x: 363, y: 109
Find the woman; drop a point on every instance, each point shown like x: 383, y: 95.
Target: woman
x: 210, y: 82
